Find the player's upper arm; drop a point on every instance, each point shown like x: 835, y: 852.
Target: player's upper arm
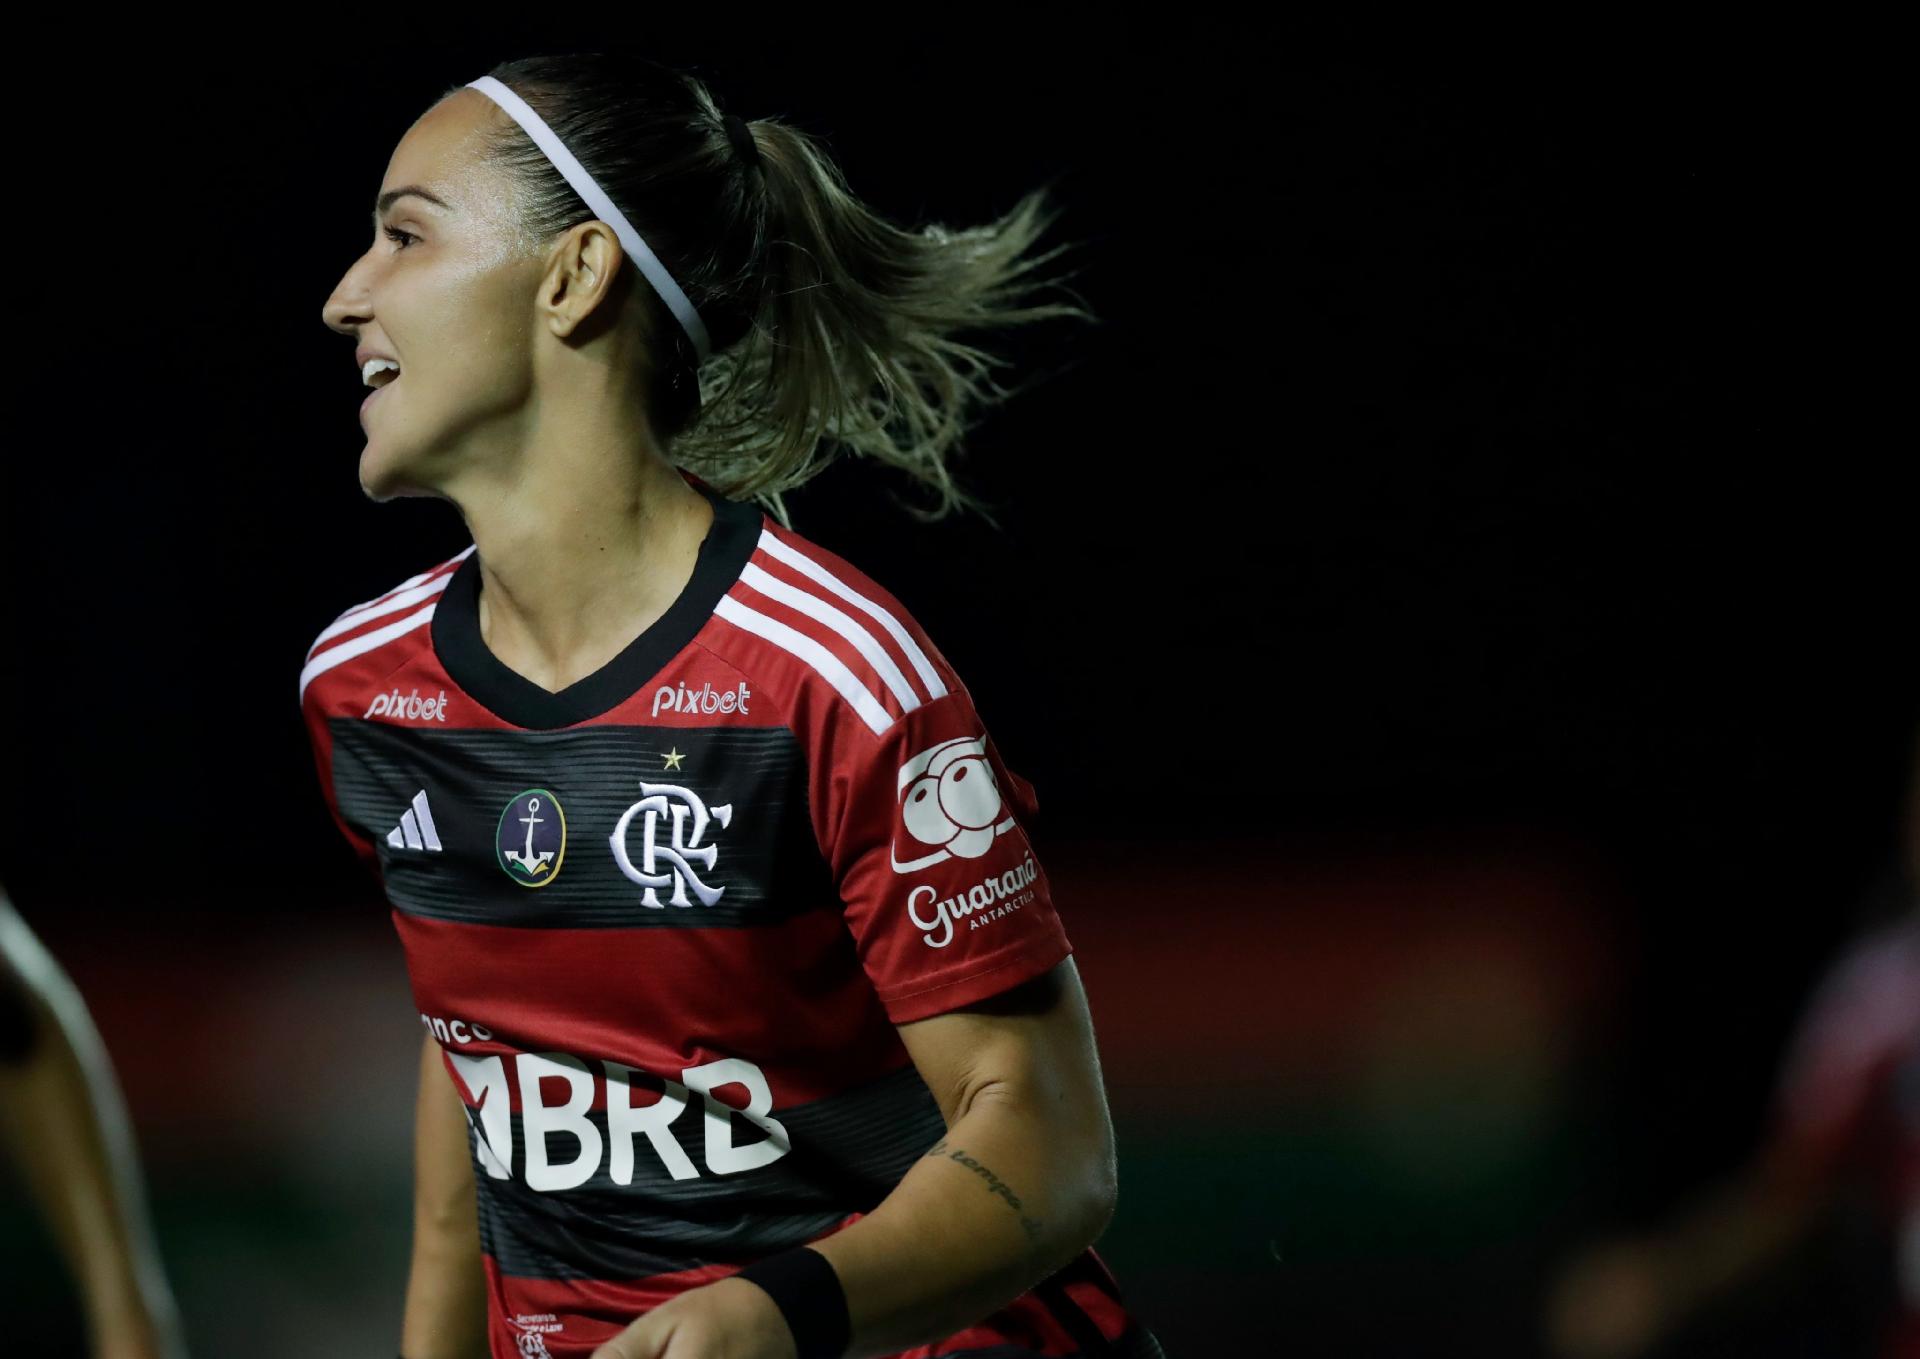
x: 1032, y: 1046
x: 942, y: 893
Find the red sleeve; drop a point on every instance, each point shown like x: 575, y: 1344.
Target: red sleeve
x: 313, y: 712
x: 941, y: 890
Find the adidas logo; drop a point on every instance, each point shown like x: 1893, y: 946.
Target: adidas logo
x: 415, y: 830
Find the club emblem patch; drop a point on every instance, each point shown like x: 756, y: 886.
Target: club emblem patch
x: 531, y: 839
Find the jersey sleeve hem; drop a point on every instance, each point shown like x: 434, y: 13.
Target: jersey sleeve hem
x: 1027, y: 960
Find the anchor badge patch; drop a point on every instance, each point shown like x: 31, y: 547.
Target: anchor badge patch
x: 531, y: 839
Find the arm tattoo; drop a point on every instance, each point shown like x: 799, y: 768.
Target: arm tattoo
x: 995, y: 1185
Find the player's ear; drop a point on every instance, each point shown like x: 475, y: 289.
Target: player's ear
x: 581, y: 277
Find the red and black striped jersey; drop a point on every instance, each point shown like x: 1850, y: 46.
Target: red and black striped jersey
x: 663, y: 922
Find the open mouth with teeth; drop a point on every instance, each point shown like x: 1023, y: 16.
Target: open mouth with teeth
x: 380, y: 373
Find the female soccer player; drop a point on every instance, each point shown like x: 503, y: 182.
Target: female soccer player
x: 751, y: 1030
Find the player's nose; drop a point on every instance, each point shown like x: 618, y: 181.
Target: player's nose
x: 346, y: 309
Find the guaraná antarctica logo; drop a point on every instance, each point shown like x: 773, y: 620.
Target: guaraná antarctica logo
x: 950, y: 801
x: 531, y: 838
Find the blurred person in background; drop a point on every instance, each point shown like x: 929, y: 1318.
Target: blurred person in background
x: 66, y: 1128
x: 848, y: 927
x: 1845, y: 1118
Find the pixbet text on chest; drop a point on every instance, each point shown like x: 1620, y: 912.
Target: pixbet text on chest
x: 419, y: 709
x: 677, y: 698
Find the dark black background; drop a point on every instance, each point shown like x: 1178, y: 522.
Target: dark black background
x: 1485, y: 429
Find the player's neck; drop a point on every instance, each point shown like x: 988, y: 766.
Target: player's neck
x: 572, y: 572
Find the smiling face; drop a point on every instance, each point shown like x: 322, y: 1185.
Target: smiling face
x: 446, y: 289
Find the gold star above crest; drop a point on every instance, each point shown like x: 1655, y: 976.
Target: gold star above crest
x: 673, y: 759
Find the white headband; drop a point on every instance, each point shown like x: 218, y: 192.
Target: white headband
x: 603, y: 207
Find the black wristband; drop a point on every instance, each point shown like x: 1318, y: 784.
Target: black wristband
x: 803, y: 1285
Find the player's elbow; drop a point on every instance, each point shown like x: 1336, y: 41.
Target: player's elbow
x: 1079, y: 1165
x: 1103, y: 1198
x: 1087, y: 1162
x: 1097, y: 1165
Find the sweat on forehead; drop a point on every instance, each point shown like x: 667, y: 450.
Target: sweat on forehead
x: 446, y: 145
x: 442, y: 169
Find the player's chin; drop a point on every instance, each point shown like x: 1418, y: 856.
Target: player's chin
x: 386, y: 477
x: 388, y: 488
x: 379, y: 487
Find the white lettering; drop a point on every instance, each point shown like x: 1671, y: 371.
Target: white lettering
x: 677, y: 698
x: 488, y: 1084
x: 937, y: 928
x: 997, y: 912
x: 537, y: 1119
x: 623, y: 1121
x: 723, y: 1157
x: 412, y: 706
x: 940, y: 920
x: 456, y: 1030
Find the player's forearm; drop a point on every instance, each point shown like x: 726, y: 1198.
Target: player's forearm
x: 445, y: 1312
x: 446, y: 1308
x: 446, y: 1304
x: 998, y: 1204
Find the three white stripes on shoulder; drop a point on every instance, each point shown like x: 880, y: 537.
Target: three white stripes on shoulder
x: 856, y: 689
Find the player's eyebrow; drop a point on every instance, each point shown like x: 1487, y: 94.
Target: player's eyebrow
x: 388, y: 199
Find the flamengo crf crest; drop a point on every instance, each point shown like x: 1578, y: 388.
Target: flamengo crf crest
x: 670, y: 864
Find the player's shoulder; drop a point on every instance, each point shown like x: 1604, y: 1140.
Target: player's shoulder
x: 376, y: 631
x: 808, y: 624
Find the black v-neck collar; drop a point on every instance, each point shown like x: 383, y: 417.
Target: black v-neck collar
x: 508, y: 694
